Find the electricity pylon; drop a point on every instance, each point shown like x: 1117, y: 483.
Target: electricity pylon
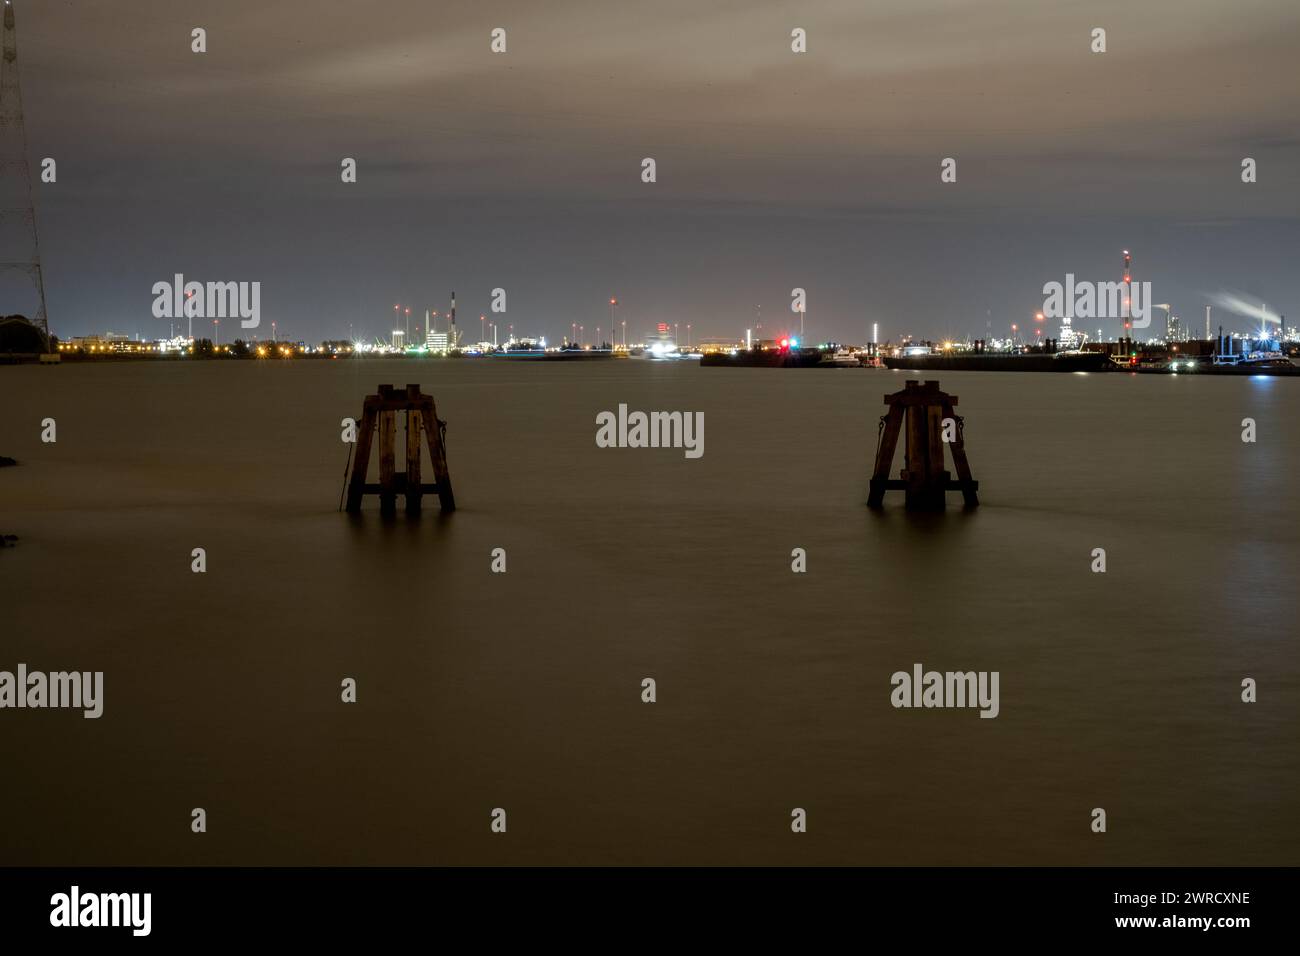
x: 20, y: 249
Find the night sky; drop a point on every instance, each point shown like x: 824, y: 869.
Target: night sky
x: 775, y: 170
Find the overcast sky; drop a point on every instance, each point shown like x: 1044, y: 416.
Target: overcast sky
x: 522, y: 170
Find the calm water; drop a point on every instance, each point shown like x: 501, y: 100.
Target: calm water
x: 522, y: 691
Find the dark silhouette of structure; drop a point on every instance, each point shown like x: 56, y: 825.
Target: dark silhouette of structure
x: 380, y: 411
x: 20, y: 251
x: 923, y: 477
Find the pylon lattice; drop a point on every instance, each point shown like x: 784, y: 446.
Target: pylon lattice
x: 20, y: 250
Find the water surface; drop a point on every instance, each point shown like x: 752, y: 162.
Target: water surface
x: 523, y: 691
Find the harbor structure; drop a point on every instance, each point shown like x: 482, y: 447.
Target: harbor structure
x: 931, y: 423
x: 379, y: 413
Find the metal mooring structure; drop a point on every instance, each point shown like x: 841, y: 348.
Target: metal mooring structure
x: 927, y: 413
x: 380, y: 413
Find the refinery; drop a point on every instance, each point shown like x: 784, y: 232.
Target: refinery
x: 1270, y: 347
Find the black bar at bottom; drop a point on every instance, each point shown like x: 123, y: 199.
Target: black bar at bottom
x: 662, y: 907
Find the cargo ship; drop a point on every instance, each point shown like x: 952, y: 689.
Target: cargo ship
x: 1261, y: 356
x: 524, y: 351
x: 1001, y: 362
x: 783, y: 358
x: 1088, y: 362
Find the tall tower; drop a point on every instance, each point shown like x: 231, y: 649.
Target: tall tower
x: 20, y: 252
x: 1127, y: 293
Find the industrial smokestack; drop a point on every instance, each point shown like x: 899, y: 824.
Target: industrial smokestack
x: 1207, y: 323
